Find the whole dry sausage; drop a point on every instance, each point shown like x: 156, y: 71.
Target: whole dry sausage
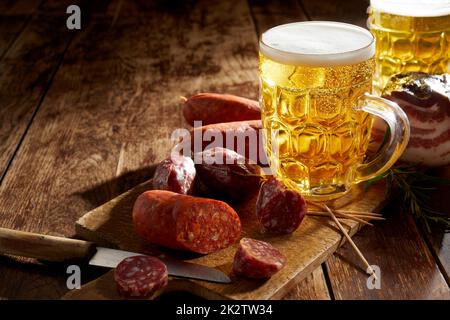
x: 257, y: 259
x: 279, y: 210
x: 176, y: 173
x: 185, y: 222
x: 243, y: 137
x: 214, y: 108
x: 140, y: 276
x: 225, y: 174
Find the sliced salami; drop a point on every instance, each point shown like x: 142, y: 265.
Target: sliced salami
x: 140, y: 276
x: 279, y: 210
x: 257, y: 259
x: 185, y: 222
x: 176, y: 174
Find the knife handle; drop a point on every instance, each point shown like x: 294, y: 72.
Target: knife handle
x: 44, y: 247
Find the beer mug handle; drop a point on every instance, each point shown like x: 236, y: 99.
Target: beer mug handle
x: 398, y: 124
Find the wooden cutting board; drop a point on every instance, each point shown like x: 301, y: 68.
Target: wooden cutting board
x: 305, y: 249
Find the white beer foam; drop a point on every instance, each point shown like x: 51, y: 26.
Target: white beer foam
x: 318, y: 43
x: 413, y: 8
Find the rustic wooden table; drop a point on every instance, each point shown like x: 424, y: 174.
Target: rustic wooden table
x: 85, y: 113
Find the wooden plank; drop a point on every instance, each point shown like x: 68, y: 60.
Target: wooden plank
x: 14, y: 15
x: 313, y: 287
x: 438, y: 238
x: 315, y: 240
x: 29, y: 65
x: 25, y: 74
x: 10, y: 27
x: 267, y: 14
x: 123, y: 9
x: 353, y: 12
x: 19, y: 7
x: 111, y: 109
x: 408, y: 270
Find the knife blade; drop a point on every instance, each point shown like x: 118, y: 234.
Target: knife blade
x: 110, y: 258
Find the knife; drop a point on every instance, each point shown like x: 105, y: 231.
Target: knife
x: 59, y: 249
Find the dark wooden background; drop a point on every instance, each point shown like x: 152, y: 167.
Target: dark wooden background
x: 84, y: 115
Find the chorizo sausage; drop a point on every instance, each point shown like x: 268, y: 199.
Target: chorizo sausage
x: 214, y: 108
x: 279, y: 210
x: 185, y: 222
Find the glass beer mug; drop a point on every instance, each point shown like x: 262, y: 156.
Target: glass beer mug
x: 317, y: 112
x: 412, y: 35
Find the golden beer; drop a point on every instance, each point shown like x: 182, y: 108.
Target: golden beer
x: 410, y: 36
x: 313, y: 79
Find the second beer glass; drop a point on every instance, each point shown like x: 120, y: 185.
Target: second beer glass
x: 412, y: 36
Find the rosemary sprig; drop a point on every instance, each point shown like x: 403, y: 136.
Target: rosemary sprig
x: 414, y: 185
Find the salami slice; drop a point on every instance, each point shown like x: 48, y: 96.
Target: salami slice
x: 257, y: 259
x: 279, y: 210
x: 140, y: 276
x: 185, y: 222
x: 176, y: 173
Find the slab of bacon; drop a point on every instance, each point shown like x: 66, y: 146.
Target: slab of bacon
x: 425, y: 99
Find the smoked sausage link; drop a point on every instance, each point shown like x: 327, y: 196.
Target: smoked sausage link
x: 176, y: 174
x: 257, y: 259
x: 225, y: 174
x: 185, y: 222
x: 214, y: 108
x: 280, y: 210
x: 243, y: 137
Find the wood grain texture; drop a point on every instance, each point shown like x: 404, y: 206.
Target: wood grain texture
x: 268, y: 14
x: 313, y: 287
x: 408, y: 270
x: 353, y: 12
x: 438, y: 237
x: 25, y: 74
x: 438, y: 240
x: 16, y: 14
x: 44, y: 247
x: 305, y: 249
x: 111, y: 109
x: 19, y: 7
x: 10, y: 27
